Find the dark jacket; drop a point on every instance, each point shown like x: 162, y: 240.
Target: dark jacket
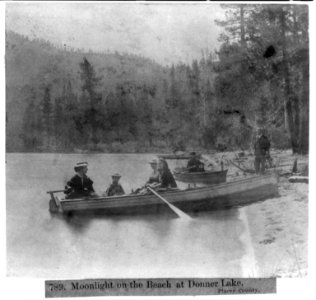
x: 262, y: 146
x: 79, y: 186
x: 194, y: 165
x: 115, y: 189
x: 167, y: 180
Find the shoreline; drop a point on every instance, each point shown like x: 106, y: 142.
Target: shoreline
x: 279, y: 232
x: 150, y: 150
x: 276, y: 233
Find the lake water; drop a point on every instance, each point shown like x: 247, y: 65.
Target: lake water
x: 212, y: 244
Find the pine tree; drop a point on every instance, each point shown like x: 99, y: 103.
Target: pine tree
x: 90, y: 84
x: 47, y: 117
x: 270, y: 51
x: 59, y: 123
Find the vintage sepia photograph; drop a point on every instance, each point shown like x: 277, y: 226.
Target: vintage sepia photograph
x: 156, y: 140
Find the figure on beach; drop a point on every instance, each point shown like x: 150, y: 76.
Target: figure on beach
x: 262, y: 151
x: 194, y: 164
x: 80, y: 185
x: 115, y: 188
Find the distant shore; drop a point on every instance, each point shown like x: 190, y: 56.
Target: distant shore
x: 134, y: 150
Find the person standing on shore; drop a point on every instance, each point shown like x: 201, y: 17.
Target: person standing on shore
x: 262, y: 151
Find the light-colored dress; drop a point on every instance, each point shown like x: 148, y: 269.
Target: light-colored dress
x: 154, y: 177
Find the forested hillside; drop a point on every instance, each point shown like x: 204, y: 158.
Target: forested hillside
x: 61, y: 99
x: 64, y: 99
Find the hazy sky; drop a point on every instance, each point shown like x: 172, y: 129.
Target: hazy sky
x: 165, y: 32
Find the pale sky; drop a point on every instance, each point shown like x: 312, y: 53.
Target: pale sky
x: 167, y: 33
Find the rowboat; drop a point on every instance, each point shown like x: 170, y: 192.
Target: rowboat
x: 207, y: 177
x: 219, y: 196
x: 177, y: 156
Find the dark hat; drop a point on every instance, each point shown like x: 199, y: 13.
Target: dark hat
x: 80, y: 165
x: 192, y: 153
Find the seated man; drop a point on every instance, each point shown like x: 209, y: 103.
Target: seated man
x: 194, y: 164
x: 115, y: 188
x: 80, y: 185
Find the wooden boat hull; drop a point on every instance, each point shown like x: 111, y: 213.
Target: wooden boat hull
x: 177, y: 156
x: 201, y: 177
x: 239, y: 192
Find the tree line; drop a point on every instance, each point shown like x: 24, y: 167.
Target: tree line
x: 264, y: 68
x: 259, y: 78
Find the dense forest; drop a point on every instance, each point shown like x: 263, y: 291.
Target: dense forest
x: 62, y: 99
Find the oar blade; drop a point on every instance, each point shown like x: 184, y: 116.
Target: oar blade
x: 176, y: 210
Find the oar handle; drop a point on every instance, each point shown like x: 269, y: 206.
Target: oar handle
x: 176, y: 210
x: 53, y: 198
x: 155, y: 193
x: 57, y: 191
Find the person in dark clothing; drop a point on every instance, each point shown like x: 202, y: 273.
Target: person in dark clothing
x: 166, y: 178
x: 262, y: 151
x: 194, y: 164
x: 115, y: 188
x: 80, y: 185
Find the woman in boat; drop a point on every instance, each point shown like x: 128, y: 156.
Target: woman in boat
x: 80, y: 185
x: 160, y: 178
x: 166, y: 179
x: 115, y: 188
x: 154, y: 177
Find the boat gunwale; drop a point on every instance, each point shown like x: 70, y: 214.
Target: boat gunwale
x: 178, y: 156
x: 191, y: 191
x: 201, y: 175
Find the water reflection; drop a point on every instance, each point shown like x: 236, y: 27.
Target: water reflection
x: 102, y: 245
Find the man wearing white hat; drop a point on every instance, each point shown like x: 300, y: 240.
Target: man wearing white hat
x: 80, y: 185
x: 115, y: 188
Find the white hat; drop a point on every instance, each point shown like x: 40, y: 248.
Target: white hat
x: 153, y: 162
x: 80, y: 165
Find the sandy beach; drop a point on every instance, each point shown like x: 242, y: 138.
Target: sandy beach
x: 278, y: 227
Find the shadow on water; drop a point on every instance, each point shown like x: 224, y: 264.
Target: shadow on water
x: 217, y: 215
x: 158, y: 221
x: 79, y: 221
x: 225, y: 212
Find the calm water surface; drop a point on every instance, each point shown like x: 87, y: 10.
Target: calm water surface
x: 42, y: 245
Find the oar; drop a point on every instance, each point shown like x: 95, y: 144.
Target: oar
x: 176, y: 210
